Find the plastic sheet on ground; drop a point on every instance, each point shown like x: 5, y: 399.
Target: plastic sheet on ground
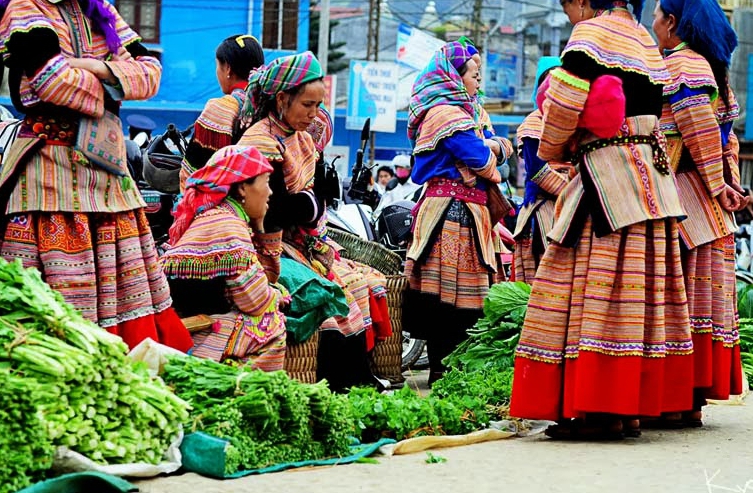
x: 420, y: 444
x: 153, y: 354
x: 82, y: 482
x: 205, y: 454
x: 67, y: 460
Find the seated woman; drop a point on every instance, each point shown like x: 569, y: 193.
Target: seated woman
x: 212, y: 260
x: 284, y: 101
x: 219, y: 124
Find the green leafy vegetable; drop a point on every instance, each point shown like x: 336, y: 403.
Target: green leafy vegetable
x: 78, y: 380
x: 266, y: 417
x: 434, y: 459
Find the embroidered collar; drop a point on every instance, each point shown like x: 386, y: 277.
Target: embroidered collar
x: 277, y: 126
x: 677, y: 48
x: 238, y: 208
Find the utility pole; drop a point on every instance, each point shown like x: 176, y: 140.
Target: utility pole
x: 372, y: 54
x: 323, y: 53
x: 476, y: 23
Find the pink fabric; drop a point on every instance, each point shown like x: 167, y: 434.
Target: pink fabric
x: 604, y: 111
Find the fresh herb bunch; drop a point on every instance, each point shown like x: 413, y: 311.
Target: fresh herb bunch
x: 91, y: 397
x: 266, y: 417
x: 745, y: 311
x: 492, y: 340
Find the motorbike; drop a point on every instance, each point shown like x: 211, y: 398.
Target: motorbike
x: 155, y: 166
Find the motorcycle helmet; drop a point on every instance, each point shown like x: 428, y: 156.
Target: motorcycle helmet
x: 394, y: 224
x: 161, y: 166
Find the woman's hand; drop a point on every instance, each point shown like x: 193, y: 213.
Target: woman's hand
x: 732, y: 200
x: 493, y: 145
x: 96, y: 67
x: 744, y: 193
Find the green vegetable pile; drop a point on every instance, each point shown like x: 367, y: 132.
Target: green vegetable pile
x: 76, y: 380
x: 745, y: 310
x: 27, y: 449
x: 266, y: 417
x: 474, y: 392
x: 492, y: 341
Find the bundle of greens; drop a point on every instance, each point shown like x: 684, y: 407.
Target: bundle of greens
x: 27, y: 449
x: 89, y: 396
x: 491, y: 342
x: 266, y: 417
x: 745, y: 311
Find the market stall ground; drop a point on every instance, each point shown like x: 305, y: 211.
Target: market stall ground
x: 711, y: 459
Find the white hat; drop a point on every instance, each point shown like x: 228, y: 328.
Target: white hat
x: 401, y: 161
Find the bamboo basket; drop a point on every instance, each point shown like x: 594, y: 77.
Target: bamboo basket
x: 301, y: 359
x: 388, y: 354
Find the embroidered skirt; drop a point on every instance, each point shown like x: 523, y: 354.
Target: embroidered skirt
x: 607, y: 328
x: 712, y: 302
x: 105, y: 265
x: 532, y: 241
x: 452, y: 269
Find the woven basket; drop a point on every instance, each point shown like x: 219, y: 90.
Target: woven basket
x: 388, y: 354
x: 301, y: 359
x: 370, y: 253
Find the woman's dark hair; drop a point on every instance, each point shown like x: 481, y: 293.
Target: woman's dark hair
x: 241, y: 53
x: 268, y: 104
x: 718, y: 67
x: 235, y: 186
x: 463, y: 68
x: 386, y: 169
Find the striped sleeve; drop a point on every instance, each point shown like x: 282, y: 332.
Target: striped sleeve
x: 250, y: 290
x: 60, y: 84
x: 269, y: 248
x: 550, y: 180
x: 139, y: 78
x: 732, y: 160
x: 565, y: 100
x: 468, y: 148
x: 696, y: 122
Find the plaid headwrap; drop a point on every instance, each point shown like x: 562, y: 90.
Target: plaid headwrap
x: 321, y: 129
x: 440, y: 83
x: 281, y: 74
x: 207, y: 187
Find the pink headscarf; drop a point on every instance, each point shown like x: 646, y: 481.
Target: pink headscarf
x: 207, y: 187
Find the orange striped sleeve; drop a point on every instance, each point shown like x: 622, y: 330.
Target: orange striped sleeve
x: 250, y: 290
x: 565, y: 100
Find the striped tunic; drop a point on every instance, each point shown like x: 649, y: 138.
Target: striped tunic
x: 57, y: 178
x: 213, y: 130
x: 218, y: 243
x: 691, y: 117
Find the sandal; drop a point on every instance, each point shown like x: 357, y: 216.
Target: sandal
x: 693, y: 419
x: 631, y: 427
x: 579, y: 429
x: 667, y: 421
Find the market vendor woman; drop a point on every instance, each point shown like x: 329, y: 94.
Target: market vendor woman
x: 212, y: 260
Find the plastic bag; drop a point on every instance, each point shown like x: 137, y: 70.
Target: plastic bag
x: 153, y: 354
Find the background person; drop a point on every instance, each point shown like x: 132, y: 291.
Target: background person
x: 699, y: 109
x: 220, y: 123
x: 83, y: 226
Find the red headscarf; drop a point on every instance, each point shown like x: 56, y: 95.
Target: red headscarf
x: 207, y: 187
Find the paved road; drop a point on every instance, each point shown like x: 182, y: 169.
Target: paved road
x: 717, y: 458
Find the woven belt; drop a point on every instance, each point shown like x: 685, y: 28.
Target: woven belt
x: 657, y: 142
x: 441, y: 187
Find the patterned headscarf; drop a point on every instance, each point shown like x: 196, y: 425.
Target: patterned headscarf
x: 545, y: 63
x: 282, y: 74
x: 207, y: 187
x: 440, y: 83
x: 321, y: 129
x: 704, y: 26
